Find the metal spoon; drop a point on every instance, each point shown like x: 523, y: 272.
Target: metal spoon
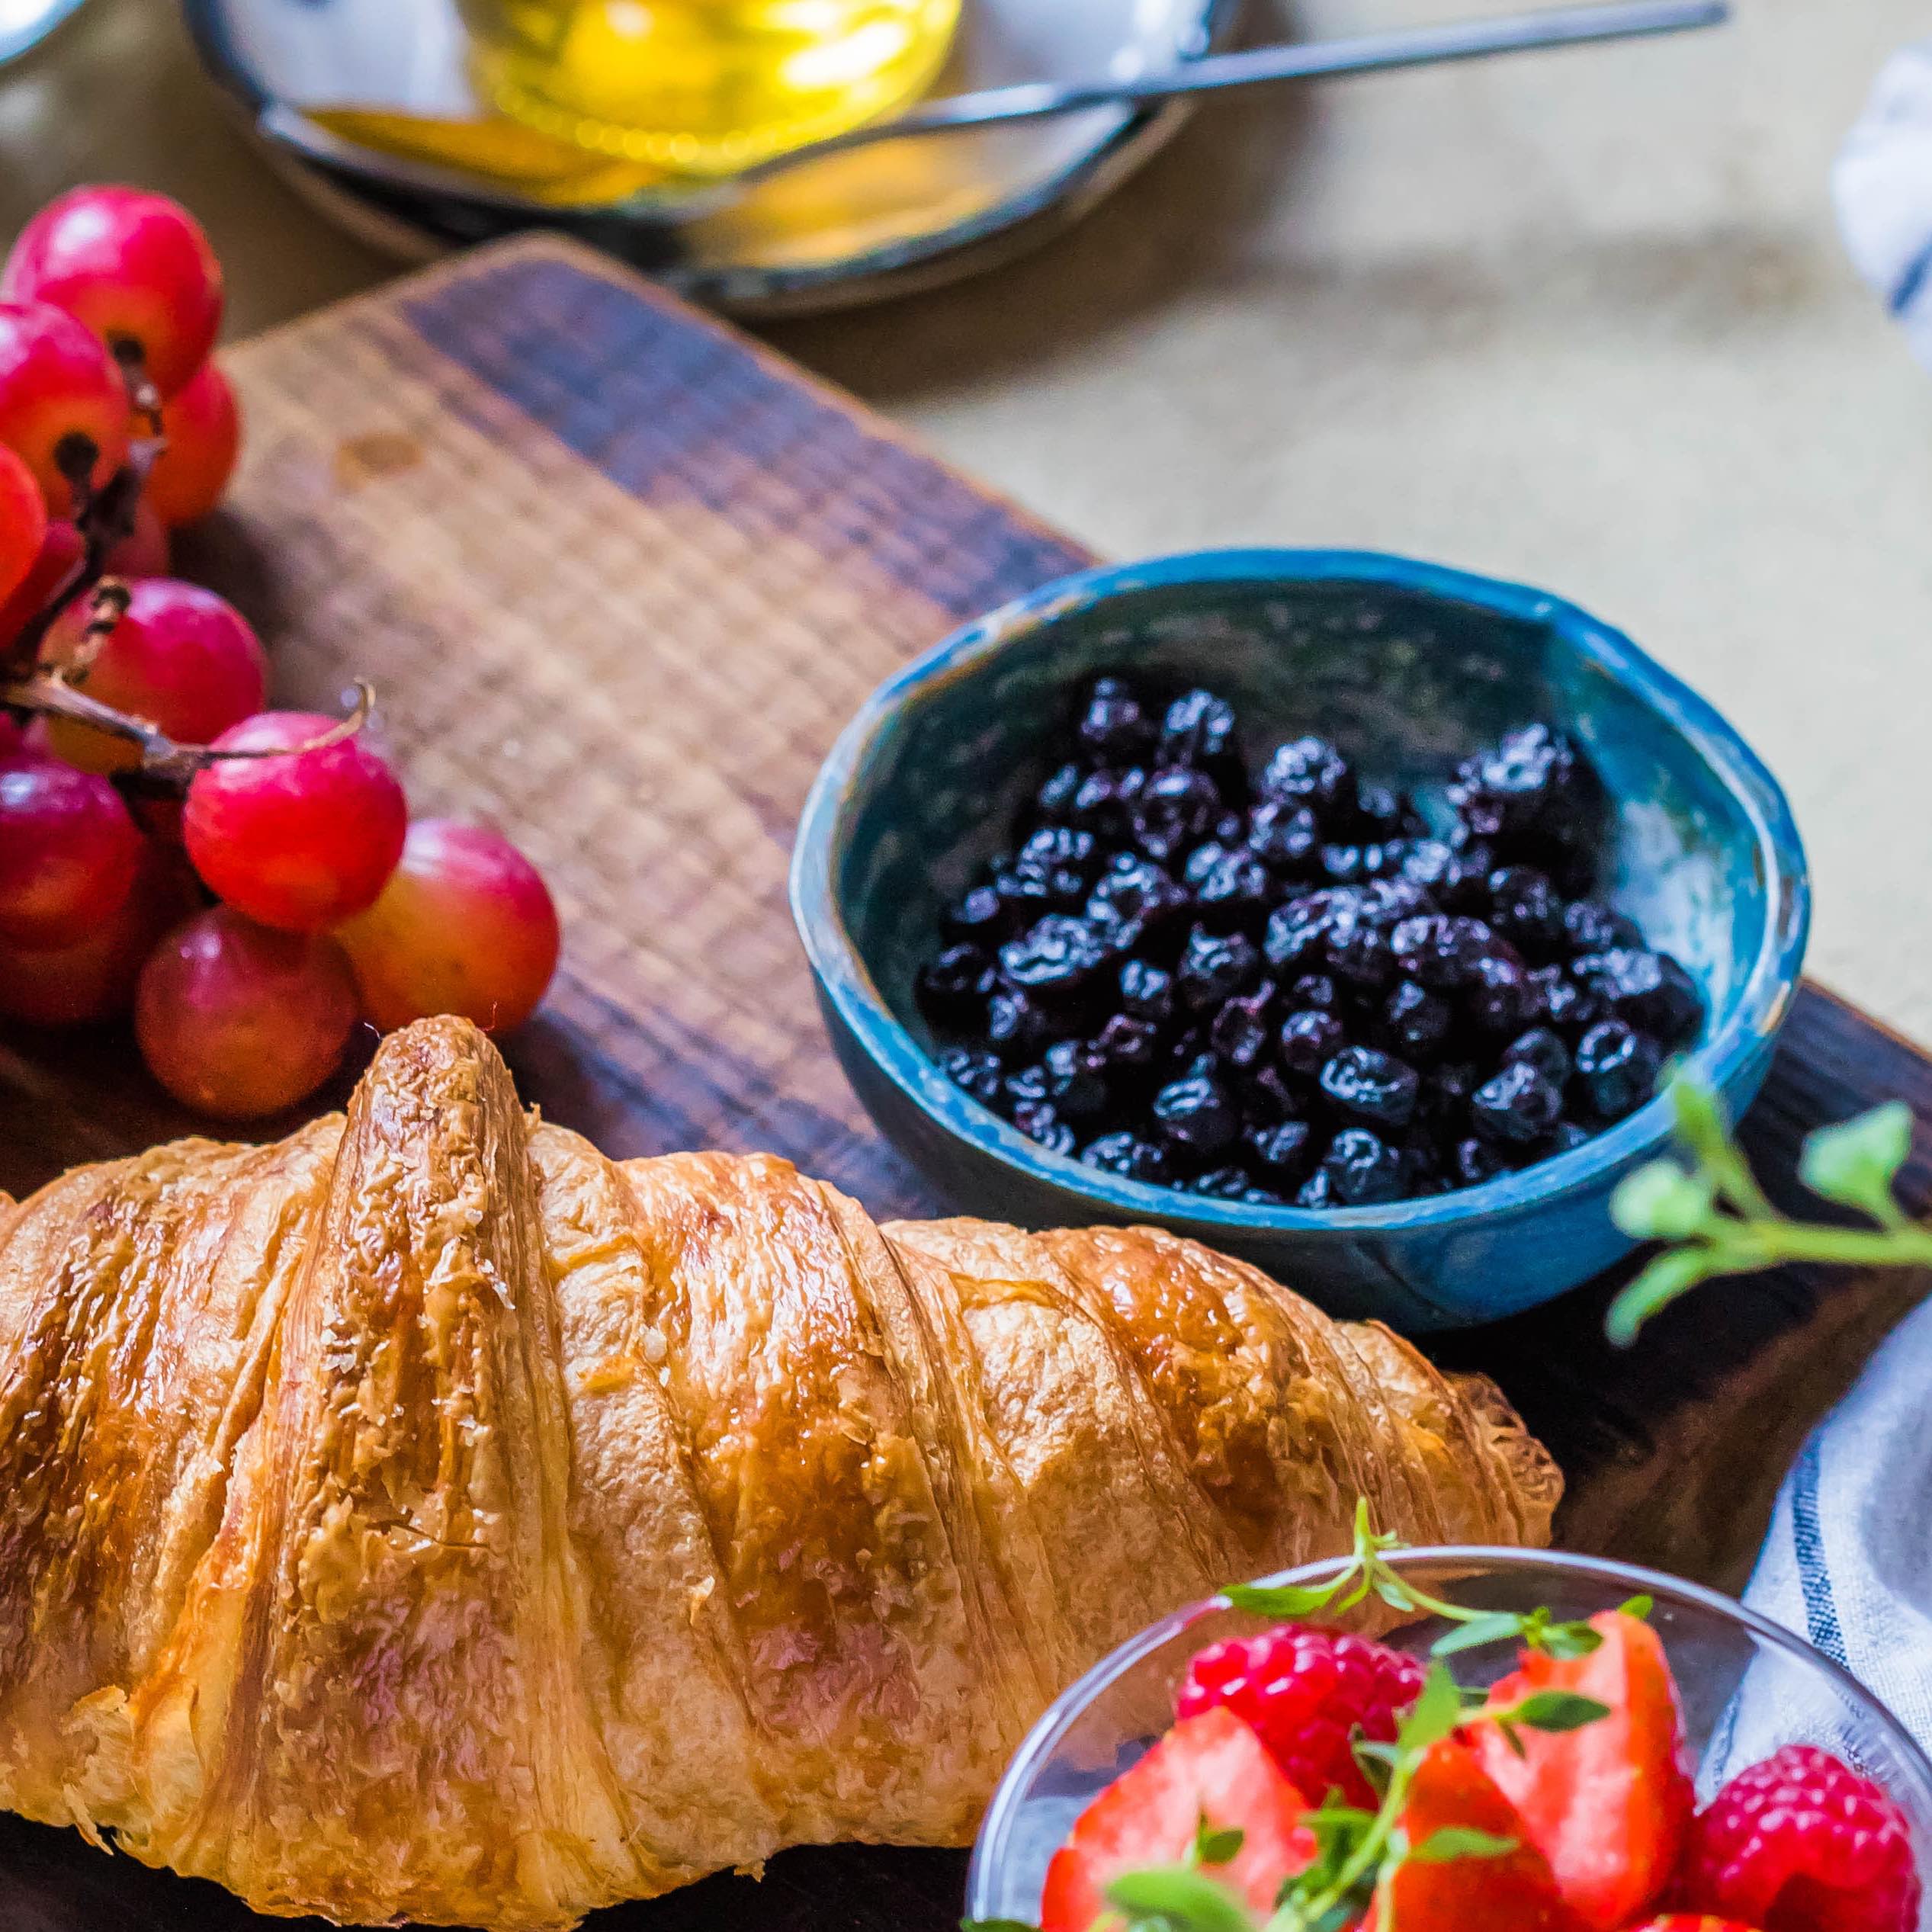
x: 1413, y: 46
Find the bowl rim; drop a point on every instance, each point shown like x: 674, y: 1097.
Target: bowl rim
x: 1630, y: 1579
x: 1757, y: 1009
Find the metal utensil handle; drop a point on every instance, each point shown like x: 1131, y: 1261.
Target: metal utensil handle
x: 1410, y: 46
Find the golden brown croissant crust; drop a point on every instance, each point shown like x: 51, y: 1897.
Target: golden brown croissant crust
x: 426, y: 1518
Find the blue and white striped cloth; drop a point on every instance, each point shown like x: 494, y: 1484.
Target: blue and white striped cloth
x: 1882, y: 185
x: 1848, y: 1564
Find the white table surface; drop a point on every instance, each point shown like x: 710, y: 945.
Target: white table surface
x: 1580, y: 319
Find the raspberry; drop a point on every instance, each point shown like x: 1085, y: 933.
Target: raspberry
x: 1304, y: 1691
x: 1802, y: 1843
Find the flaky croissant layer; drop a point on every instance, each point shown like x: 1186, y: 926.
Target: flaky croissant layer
x: 426, y: 1518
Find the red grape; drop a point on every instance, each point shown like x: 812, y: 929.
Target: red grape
x: 465, y: 925
x: 204, y: 425
x: 60, y: 550
x: 56, y: 381
x: 181, y: 657
x: 147, y: 550
x: 134, y: 267
x: 68, y: 853
x: 94, y: 979
x: 23, y: 527
x: 240, y: 1021
x: 302, y: 841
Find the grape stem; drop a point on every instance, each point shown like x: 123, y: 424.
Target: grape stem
x: 104, y: 519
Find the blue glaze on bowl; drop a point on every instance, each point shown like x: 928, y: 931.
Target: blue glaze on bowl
x: 1406, y: 667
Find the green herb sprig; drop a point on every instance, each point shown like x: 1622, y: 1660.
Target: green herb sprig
x: 1367, y: 1572
x: 1715, y: 1220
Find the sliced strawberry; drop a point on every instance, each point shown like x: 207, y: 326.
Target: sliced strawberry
x: 1513, y: 1891
x: 1211, y: 1766
x: 1608, y: 1805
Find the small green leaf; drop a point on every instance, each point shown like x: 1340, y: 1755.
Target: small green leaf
x: 1667, y: 1277
x: 1639, y: 1607
x: 1395, y: 1594
x: 1435, y: 1713
x: 1284, y: 1600
x: 1190, y: 1900
x: 1497, y: 1627
x: 1567, y: 1640
x: 1455, y: 1841
x: 1558, y: 1710
x: 1661, y: 1203
x: 1216, y: 1848
x: 1701, y: 1124
x: 1856, y: 1163
x: 1375, y: 1761
x: 1511, y: 1736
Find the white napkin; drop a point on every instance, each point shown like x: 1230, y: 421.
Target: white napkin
x: 1882, y: 185
x: 1848, y: 1564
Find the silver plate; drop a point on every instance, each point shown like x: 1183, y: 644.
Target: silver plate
x: 848, y: 229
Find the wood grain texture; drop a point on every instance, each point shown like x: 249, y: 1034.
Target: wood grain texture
x: 620, y: 576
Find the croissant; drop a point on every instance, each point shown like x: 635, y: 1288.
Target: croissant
x: 427, y: 1518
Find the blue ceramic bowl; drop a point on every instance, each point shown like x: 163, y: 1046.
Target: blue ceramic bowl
x: 1406, y: 667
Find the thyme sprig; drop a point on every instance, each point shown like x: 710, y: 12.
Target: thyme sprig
x: 1708, y: 1209
x: 1367, y: 1572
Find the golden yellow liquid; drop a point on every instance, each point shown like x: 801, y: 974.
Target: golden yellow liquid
x: 704, y: 86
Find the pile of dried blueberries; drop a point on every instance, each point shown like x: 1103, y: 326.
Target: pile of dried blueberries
x: 1284, y: 988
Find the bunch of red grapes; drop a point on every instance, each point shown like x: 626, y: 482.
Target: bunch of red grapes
x: 246, y: 882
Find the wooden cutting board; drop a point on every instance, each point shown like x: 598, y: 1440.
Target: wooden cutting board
x: 620, y: 576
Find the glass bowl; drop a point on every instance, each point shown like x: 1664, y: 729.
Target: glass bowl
x: 1747, y: 1687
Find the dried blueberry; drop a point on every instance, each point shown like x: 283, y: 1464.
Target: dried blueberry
x: 1213, y: 967
x: 976, y: 917
x: 1057, y: 848
x: 1351, y: 864
x: 1104, y: 803
x: 1239, y: 1034
x: 1280, y: 1151
x: 1457, y: 881
x: 1551, y: 998
x: 1056, y: 957
x: 1475, y: 1161
x: 1076, y: 1082
x: 1446, y: 1095
x: 1198, y: 730
x: 1650, y: 989
x: 1113, y: 729
x: 1543, y: 1050
x: 1015, y: 1028
x: 1146, y: 992
x: 1037, y: 1120
x: 1363, y: 1169
x: 1517, y: 1107
x: 1616, y: 1068
x: 1231, y: 887
x: 979, y: 1074
x: 1125, y: 1042
x: 1317, y: 1192
x: 1495, y: 999
x: 1310, y: 771
x: 1308, y: 1040
x: 1524, y: 909
x: 1026, y: 1087
x: 1380, y: 814
x: 1175, y: 811
x: 1285, y: 837
x: 1372, y: 1085
x: 1221, y: 1184
x: 1315, y: 990
x: 1589, y: 926
x: 953, y: 989
x: 1534, y: 781
x: 1441, y: 951
x: 1135, y: 891
x: 1360, y: 953
x: 1266, y: 1098
x: 1566, y: 1136
x: 1055, y: 797
x: 1414, y: 1021
x: 1196, y: 1115
x: 1126, y: 1155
